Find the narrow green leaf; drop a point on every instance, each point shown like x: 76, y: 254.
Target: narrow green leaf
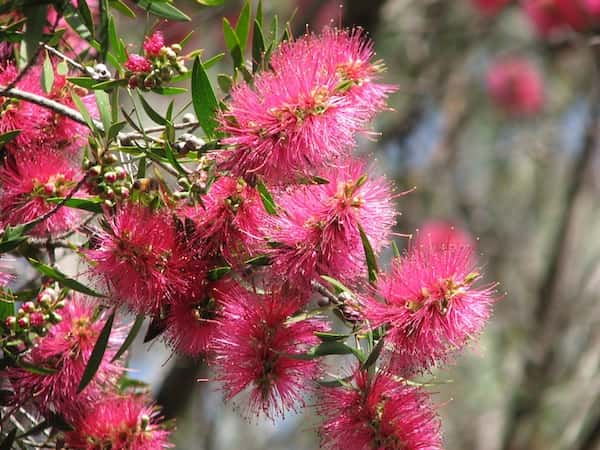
x: 86, y: 16
x: 114, y: 42
x: 157, y: 326
x: 59, y: 422
x: 133, y: 332
x: 331, y: 337
x: 8, y: 136
x: 38, y: 370
x: 374, y: 355
x: 212, y: 61
x: 267, y: 199
x: 6, y: 309
x: 84, y: 82
x: 204, y: 100
x: 258, y: 46
x: 47, y: 75
x: 225, y: 82
x: 395, y: 249
x: 156, y: 117
x: 233, y: 44
x: 172, y: 159
x: 8, y: 441
x: 242, y: 27
x: 106, y: 85
x: 259, y: 13
x: 163, y: 9
x: 260, y: 260
x: 218, y: 272
x: 36, y: 22
x: 169, y: 90
x: 115, y: 129
x: 57, y: 275
x: 141, y: 171
x: 339, y: 382
x: 84, y: 112
x: 369, y: 255
x: 330, y: 348
x: 210, y: 2
x: 122, y: 8
x: 337, y: 285
x: 103, y: 103
x: 85, y: 204
x: 97, y: 353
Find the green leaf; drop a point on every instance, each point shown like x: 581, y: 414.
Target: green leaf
x: 133, y: 332
x: 6, y: 309
x: 122, y: 8
x: 374, y: 355
x: 395, y: 249
x: 62, y: 278
x: 212, y: 61
x: 163, y: 9
x: 8, y: 441
x: 84, y: 112
x: 225, y: 82
x: 369, y: 255
x: 12, y: 238
x: 8, y: 136
x: 337, y: 285
x: 84, y: 82
x: 38, y: 370
x: 210, y: 2
x: 47, y: 75
x: 258, y: 46
x: 172, y: 159
x: 242, y: 27
x: 169, y: 90
x: 141, y: 171
x: 115, y: 43
x: 156, y: 117
x: 157, y: 326
x: 218, y: 272
x: 97, y: 353
x: 260, y: 260
x: 331, y: 337
x: 329, y: 348
x: 62, y: 68
x: 204, y: 99
x: 115, y: 129
x: 103, y: 102
x: 338, y: 382
x: 233, y: 44
x: 36, y: 22
x: 86, y: 16
x: 267, y: 199
x: 85, y: 204
x: 259, y: 13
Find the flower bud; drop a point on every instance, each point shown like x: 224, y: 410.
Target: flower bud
x: 23, y: 322
x: 49, y: 188
x: 95, y: 170
x: 54, y: 317
x: 37, y: 319
x: 28, y: 307
x: 110, y: 177
x: 11, y: 322
x: 176, y: 48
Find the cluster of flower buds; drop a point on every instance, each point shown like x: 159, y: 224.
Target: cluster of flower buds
x: 107, y: 179
x: 159, y: 64
x: 33, y: 319
x: 198, y: 182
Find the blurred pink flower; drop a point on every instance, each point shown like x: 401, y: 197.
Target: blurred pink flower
x: 516, y: 86
x: 28, y: 180
x: 376, y: 413
x: 65, y: 351
x: 489, y: 7
x: 119, y: 423
x: 439, y: 233
x: 255, y: 350
x: 431, y: 306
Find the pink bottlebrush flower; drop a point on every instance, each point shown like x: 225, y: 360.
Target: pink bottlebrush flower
x: 306, y: 113
x: 72, y: 43
x: 27, y: 181
x: 66, y: 350
x: 439, y: 233
x: 317, y: 232
x: 516, y: 86
x: 229, y: 223
x: 489, y: 7
x: 5, y: 274
x: 431, y: 306
x: 16, y: 114
x: 554, y: 16
x: 119, y: 423
x: 141, y: 258
x: 378, y: 413
x: 255, y: 350
x: 138, y: 64
x: 192, y: 319
x: 153, y: 44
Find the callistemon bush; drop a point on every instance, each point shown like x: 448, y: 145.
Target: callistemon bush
x: 244, y: 233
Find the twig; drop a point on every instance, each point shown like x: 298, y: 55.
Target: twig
x: 318, y: 287
x: 80, y: 67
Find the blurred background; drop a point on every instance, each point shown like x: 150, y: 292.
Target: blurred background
x: 495, y: 127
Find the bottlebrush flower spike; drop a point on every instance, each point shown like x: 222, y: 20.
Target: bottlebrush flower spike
x: 16, y: 114
x: 255, y: 350
x: 317, y: 233
x: 141, y: 258
x: 192, y: 321
x: 119, y: 423
x: 489, y: 7
x: 431, y: 307
x: 28, y: 180
x: 306, y: 113
x: 516, y: 86
x: 229, y: 223
x: 153, y: 44
x: 5, y: 275
x: 377, y: 413
x: 138, y: 64
x: 66, y: 350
